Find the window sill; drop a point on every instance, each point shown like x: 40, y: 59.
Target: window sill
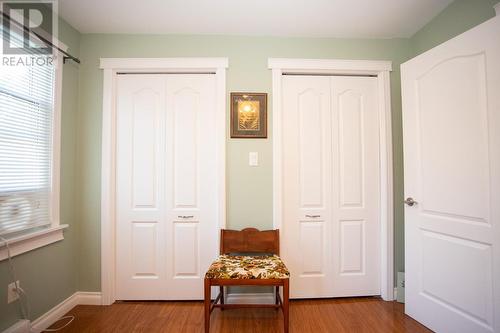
x: 31, y: 241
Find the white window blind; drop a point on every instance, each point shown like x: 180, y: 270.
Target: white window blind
x: 26, y: 132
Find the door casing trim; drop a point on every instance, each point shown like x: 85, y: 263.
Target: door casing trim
x: 380, y: 69
x: 111, y: 67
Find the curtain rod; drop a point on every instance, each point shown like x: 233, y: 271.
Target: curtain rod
x: 47, y: 42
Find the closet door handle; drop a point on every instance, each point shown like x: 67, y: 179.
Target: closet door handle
x: 185, y: 216
x: 313, y: 216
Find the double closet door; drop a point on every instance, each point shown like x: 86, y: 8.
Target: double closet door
x: 331, y: 189
x: 166, y: 210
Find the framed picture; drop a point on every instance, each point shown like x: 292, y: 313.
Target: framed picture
x: 248, y: 115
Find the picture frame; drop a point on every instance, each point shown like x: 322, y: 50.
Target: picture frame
x: 248, y: 115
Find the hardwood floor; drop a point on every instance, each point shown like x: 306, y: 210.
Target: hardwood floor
x: 328, y: 315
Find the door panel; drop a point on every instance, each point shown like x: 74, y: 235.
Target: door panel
x: 192, y: 235
x: 140, y: 229
x: 144, y: 249
x: 185, y: 106
x: 145, y: 116
x: 310, y: 155
x: 452, y: 169
x: 356, y: 186
x: 473, y: 301
x: 459, y: 108
x: 186, y: 242
x: 352, y: 247
x: 350, y: 109
x: 166, y: 174
x: 311, y: 246
x: 306, y: 184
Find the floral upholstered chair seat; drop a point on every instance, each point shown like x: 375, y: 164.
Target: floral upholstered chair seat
x: 248, y: 267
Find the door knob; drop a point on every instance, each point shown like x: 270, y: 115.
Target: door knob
x: 410, y: 202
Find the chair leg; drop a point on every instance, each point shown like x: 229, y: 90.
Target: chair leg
x: 222, y: 297
x: 285, y: 305
x: 207, y: 305
x: 277, y: 296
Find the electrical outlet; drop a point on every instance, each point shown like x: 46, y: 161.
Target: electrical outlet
x: 12, y: 294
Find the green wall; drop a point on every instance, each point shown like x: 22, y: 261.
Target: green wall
x: 50, y: 274
x: 458, y: 17
x: 249, y: 189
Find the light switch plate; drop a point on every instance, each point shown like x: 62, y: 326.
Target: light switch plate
x: 253, y: 158
x: 12, y: 294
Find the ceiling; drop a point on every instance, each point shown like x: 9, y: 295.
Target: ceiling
x: 304, y: 18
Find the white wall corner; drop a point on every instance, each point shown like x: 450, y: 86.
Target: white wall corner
x: 497, y: 9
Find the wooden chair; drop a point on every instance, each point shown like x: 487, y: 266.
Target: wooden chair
x: 258, y: 269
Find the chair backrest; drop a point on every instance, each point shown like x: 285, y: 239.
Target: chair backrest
x: 249, y: 240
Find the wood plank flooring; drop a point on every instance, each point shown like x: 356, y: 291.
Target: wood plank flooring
x: 367, y: 314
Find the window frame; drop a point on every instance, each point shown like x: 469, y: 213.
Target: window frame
x: 29, y: 240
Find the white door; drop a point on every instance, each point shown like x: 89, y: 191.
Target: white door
x: 330, y: 232
x: 451, y: 109
x: 307, y: 229
x: 356, y: 186
x: 166, y: 229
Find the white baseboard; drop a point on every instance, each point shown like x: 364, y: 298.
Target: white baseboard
x: 51, y: 316
x: 94, y: 298
x: 395, y: 293
x: 250, y: 298
x: 89, y: 298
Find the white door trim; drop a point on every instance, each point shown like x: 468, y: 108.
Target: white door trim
x: 381, y: 69
x: 112, y: 66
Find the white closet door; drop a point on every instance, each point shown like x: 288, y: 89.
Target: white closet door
x: 330, y: 231
x: 356, y: 188
x: 307, y: 228
x: 141, y: 266
x: 192, y: 233
x: 166, y: 175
